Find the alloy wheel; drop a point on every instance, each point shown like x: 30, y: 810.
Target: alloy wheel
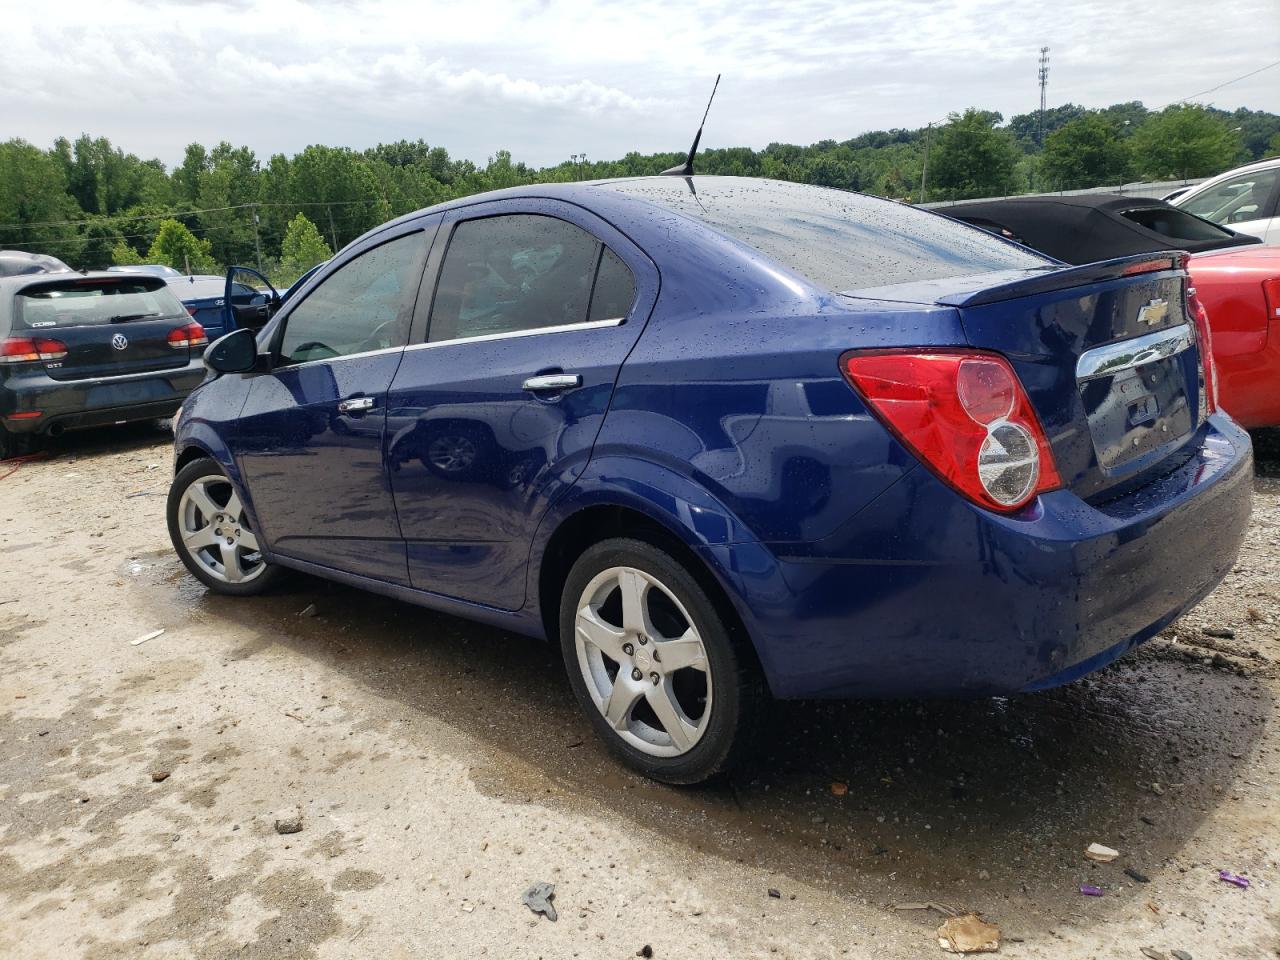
x: 644, y: 662
x: 216, y: 533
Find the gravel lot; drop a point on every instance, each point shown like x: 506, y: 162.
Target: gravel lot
x: 440, y: 768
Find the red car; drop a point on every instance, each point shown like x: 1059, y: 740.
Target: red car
x: 1236, y: 278
x: 1240, y: 290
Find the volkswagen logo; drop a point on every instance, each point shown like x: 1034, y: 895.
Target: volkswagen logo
x: 119, y: 341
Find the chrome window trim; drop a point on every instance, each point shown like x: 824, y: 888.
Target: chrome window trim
x: 343, y: 356
x: 1112, y: 358
x: 486, y: 337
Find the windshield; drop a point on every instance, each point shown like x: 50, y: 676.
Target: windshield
x: 84, y: 302
x: 842, y: 241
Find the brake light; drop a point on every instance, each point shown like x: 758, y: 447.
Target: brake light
x: 188, y: 335
x: 31, y: 350
x: 1204, y: 339
x: 1271, y: 293
x: 1154, y: 266
x: 966, y: 416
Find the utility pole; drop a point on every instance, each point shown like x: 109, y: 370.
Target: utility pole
x: 333, y: 230
x: 1044, y: 82
x: 257, y: 240
x: 924, y: 171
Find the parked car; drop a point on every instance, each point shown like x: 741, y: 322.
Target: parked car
x: 83, y: 350
x: 727, y: 439
x: 205, y: 297
x: 16, y: 263
x: 153, y: 269
x: 1236, y: 278
x: 1245, y: 199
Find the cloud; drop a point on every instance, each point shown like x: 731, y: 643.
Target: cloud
x: 545, y: 79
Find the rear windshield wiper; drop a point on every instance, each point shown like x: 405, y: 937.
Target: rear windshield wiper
x: 126, y: 317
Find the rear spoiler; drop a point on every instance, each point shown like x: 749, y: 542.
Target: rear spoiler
x: 1068, y: 277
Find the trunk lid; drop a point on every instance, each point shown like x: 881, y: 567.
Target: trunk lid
x: 109, y: 326
x: 1107, y: 353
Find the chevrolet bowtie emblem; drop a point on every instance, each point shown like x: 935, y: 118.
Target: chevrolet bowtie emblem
x: 1153, y: 312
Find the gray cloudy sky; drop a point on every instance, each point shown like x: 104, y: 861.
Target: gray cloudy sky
x: 546, y: 79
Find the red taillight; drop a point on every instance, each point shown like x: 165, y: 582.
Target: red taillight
x: 1154, y: 266
x: 31, y: 350
x: 965, y: 415
x: 1271, y: 292
x: 1205, y: 339
x: 188, y: 335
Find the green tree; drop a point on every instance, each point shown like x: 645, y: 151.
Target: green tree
x: 99, y: 244
x: 35, y: 210
x: 971, y: 158
x: 302, y: 249
x: 178, y: 247
x: 123, y: 255
x: 1184, y: 141
x: 1084, y: 153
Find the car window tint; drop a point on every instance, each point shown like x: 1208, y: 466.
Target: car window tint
x: 615, y: 289
x: 1236, y: 200
x: 86, y: 302
x: 1176, y: 224
x: 513, y: 273
x: 841, y: 241
x: 364, y: 305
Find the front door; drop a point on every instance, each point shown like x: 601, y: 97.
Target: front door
x: 536, y: 306
x: 310, y: 437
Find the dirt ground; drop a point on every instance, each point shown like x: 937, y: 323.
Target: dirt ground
x: 440, y: 768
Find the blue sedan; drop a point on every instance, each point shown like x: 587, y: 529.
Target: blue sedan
x: 727, y: 439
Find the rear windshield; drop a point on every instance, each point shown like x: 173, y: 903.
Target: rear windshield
x: 83, y: 302
x: 1176, y: 224
x: 841, y: 241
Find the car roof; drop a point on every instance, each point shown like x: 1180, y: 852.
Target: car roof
x: 22, y: 262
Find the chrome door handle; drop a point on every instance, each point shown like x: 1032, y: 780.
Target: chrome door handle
x: 553, y: 381
x: 356, y: 405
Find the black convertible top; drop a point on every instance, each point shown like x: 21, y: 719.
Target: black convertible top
x: 1085, y: 228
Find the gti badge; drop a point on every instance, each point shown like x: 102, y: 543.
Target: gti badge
x: 1153, y: 312
x: 119, y: 341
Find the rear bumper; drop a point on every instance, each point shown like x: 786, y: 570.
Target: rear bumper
x: 73, y: 404
x: 939, y: 598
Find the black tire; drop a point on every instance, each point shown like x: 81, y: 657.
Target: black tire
x: 260, y: 582
x: 15, y: 444
x: 739, y: 696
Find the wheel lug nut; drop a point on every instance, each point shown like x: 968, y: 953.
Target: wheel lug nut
x: 657, y: 657
x: 643, y: 639
x: 628, y: 649
x: 655, y: 678
x: 636, y: 674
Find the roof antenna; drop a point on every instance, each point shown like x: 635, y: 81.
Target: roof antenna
x: 686, y: 169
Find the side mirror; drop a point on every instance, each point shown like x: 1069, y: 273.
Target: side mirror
x: 237, y: 352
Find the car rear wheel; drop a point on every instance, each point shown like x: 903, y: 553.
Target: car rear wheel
x: 212, y: 533
x: 653, y: 663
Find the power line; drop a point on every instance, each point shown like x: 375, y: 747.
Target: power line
x: 1228, y: 83
x: 190, y: 213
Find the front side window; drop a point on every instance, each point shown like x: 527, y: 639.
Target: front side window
x: 523, y: 272
x: 1236, y: 200
x: 366, y: 304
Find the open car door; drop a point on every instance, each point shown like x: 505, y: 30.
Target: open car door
x: 247, y: 303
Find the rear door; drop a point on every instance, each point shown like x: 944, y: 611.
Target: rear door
x: 309, y: 440
x: 494, y: 411
x: 105, y: 326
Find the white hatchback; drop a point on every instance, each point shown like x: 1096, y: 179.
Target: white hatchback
x: 1244, y: 199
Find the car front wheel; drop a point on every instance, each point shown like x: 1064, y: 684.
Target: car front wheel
x: 658, y: 671
x: 212, y: 533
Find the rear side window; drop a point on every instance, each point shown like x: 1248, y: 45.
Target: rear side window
x: 364, y: 305
x: 524, y: 272
x: 841, y: 241
x: 86, y: 302
x: 615, y: 289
